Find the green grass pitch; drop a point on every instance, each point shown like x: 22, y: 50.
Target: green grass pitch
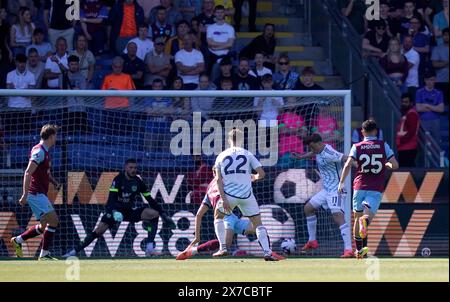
x: 230, y: 269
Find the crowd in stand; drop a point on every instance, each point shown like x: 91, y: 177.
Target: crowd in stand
x: 410, y: 40
x: 154, y: 39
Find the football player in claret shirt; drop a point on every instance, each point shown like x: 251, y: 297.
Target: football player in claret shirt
x: 125, y: 189
x: 35, y: 187
x: 373, y: 157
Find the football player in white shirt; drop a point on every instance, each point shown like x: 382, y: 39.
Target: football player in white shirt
x: 234, y: 180
x: 329, y: 162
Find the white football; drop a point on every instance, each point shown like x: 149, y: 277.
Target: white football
x: 288, y: 246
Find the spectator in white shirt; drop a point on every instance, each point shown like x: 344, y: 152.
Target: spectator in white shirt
x: 56, y: 65
x: 143, y: 43
x: 20, y: 78
x: 190, y: 63
x: 220, y: 37
x: 259, y: 69
x: 413, y: 57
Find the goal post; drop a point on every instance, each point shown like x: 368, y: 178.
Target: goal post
x: 175, y: 136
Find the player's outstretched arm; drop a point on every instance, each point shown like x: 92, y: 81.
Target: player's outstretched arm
x: 302, y: 156
x: 345, y: 172
x: 32, y: 166
x: 392, y: 164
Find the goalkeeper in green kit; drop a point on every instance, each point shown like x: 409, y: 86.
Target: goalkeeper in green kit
x: 125, y: 189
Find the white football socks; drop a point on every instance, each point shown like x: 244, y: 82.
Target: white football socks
x: 263, y: 238
x: 311, y: 222
x: 219, y: 228
x: 345, y: 231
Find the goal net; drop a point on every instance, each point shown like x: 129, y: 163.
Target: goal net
x: 175, y: 137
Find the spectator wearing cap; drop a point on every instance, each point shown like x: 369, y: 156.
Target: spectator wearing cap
x: 172, y: 14
x: 259, y: 71
x: 161, y: 26
x: 439, y: 58
x: 395, y: 64
x: 429, y: 105
x: 20, y: 78
x: 21, y: 33
x: 413, y: 57
x: 56, y: 65
x: 36, y: 66
x: 440, y: 22
x: 157, y: 64
x: 143, y: 43
x: 407, y: 133
x: 44, y: 48
x: 124, y: 20
x: 376, y: 41
x: 190, y: 63
x: 285, y: 78
x: 220, y: 37
x: 117, y: 81
x: 93, y: 16
x: 306, y: 80
x: 57, y: 24
x: 175, y: 43
x: 354, y: 10
x: 226, y: 71
x: 134, y: 66
x: 189, y: 8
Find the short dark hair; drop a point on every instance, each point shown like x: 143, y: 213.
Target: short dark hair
x: 143, y: 25
x: 313, y: 138
x: 48, y: 130
x: 160, y: 7
x: 266, y: 78
x: 204, y: 74
x: 284, y: 55
x: 21, y: 58
x: 157, y: 80
x: 38, y: 31
x: 219, y: 7
x: 445, y: 31
x: 73, y: 58
x: 61, y: 39
x: 369, y: 126
x: 32, y: 50
x: 182, y: 22
x: 407, y: 95
x: 225, y: 79
x: 308, y: 70
x: 131, y: 161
